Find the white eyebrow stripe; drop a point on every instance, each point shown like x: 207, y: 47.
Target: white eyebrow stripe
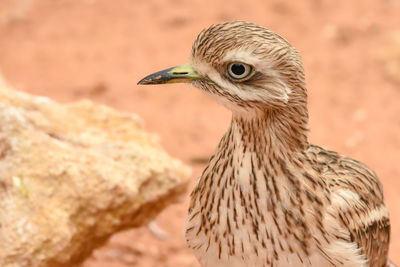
x: 241, y: 55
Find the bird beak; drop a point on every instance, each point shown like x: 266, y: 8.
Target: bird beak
x: 180, y: 74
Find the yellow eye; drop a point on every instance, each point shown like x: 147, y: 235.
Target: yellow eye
x: 239, y: 71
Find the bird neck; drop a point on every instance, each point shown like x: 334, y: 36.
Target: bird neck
x: 284, y: 131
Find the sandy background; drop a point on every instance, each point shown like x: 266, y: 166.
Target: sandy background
x: 99, y: 49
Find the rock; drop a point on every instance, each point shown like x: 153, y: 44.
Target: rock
x: 72, y: 175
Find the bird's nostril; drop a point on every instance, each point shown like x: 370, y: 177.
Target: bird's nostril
x: 180, y: 73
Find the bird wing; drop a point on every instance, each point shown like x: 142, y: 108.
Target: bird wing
x: 363, y: 212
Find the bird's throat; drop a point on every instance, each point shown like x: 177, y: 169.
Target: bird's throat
x: 271, y: 131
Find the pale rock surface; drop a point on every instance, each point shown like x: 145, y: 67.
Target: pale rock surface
x: 72, y: 175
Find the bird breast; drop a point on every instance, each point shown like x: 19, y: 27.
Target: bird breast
x: 241, y: 213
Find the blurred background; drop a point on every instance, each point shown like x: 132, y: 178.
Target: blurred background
x: 99, y: 49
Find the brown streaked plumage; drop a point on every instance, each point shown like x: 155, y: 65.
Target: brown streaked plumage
x: 267, y: 196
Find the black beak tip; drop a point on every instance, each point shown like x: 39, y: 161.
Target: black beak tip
x: 156, y: 78
x: 144, y: 81
x: 140, y: 82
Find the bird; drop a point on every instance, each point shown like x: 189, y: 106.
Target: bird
x: 268, y: 197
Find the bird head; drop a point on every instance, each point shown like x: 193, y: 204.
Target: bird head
x: 242, y: 66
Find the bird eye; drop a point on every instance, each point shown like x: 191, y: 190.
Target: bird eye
x: 239, y: 71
